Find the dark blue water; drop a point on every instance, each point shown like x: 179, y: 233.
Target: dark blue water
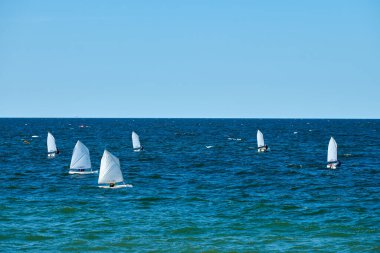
x: 187, y: 197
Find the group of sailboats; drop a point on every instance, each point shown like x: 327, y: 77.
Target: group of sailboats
x: 110, y: 174
x: 332, y: 151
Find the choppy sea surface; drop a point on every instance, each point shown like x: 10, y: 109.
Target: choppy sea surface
x: 199, y: 186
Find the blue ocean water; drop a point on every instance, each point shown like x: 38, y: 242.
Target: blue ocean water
x: 189, y: 198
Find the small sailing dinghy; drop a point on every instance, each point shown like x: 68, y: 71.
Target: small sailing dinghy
x: 261, y: 147
x: 51, y: 147
x: 110, y: 174
x: 332, y: 155
x: 80, y: 161
x: 136, y: 142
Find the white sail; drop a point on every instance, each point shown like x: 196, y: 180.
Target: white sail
x: 110, y: 169
x: 260, y: 139
x: 51, y: 147
x: 332, y: 153
x: 81, y: 157
x: 136, y: 141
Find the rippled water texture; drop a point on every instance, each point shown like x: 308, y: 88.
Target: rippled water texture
x: 188, y: 197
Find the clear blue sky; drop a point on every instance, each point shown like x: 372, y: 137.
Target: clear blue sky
x: 190, y: 59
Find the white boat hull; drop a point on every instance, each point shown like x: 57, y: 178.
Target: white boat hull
x: 261, y: 150
x: 116, y: 186
x: 83, y: 172
x: 333, y: 166
x: 51, y: 155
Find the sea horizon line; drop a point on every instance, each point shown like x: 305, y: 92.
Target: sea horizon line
x: 246, y: 118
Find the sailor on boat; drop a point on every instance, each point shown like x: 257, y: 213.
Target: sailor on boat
x: 263, y: 148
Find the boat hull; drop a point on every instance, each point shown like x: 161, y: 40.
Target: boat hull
x: 83, y: 172
x: 333, y: 166
x: 51, y: 155
x: 138, y: 149
x: 116, y: 186
x: 262, y: 150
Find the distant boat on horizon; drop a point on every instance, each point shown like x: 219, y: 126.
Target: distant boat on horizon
x: 332, y: 155
x: 136, y: 142
x: 80, y: 160
x: 261, y: 147
x: 110, y: 173
x: 51, y: 146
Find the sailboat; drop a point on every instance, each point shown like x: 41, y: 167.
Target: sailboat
x: 261, y: 147
x: 51, y: 147
x: 136, y: 142
x: 110, y: 174
x: 332, y: 155
x: 80, y: 161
